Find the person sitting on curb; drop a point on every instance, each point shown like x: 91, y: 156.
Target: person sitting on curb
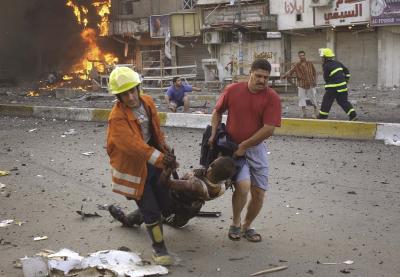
x: 177, y: 95
x: 188, y: 194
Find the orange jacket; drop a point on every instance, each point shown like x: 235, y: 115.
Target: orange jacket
x: 128, y: 152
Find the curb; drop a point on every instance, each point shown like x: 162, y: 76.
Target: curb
x: 389, y: 132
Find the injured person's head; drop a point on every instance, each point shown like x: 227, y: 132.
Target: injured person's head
x: 221, y: 169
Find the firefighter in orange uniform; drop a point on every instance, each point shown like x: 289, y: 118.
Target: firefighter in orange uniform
x: 138, y: 153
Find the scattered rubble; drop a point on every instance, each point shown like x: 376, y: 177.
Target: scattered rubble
x: 101, y: 263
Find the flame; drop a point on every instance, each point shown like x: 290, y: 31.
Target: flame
x: 67, y: 78
x: 93, y: 56
x: 103, y: 10
x: 32, y: 93
x: 79, y: 12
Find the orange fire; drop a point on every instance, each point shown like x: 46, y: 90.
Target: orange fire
x: 103, y: 10
x: 79, y: 12
x: 67, y: 78
x: 32, y: 93
x: 93, y: 56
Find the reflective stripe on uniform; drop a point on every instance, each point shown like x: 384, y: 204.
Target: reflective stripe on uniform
x: 125, y: 176
x: 351, y: 110
x: 348, y: 75
x: 335, y: 70
x: 335, y: 85
x: 342, y: 90
x: 124, y: 189
x: 323, y: 113
x: 154, y: 156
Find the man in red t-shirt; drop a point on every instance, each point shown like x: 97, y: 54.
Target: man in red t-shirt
x: 254, y: 110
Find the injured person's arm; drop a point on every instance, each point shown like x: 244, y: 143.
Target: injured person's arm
x: 192, y: 184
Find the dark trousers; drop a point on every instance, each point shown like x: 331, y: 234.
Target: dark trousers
x: 155, y: 200
x: 341, y: 99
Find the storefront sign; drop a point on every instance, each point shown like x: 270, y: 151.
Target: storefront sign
x: 385, y: 12
x: 343, y: 12
x: 294, y: 6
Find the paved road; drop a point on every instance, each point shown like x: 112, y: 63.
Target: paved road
x: 330, y: 201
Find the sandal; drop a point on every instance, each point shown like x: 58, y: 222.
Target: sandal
x: 251, y: 235
x: 234, y: 233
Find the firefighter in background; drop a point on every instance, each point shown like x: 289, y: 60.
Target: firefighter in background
x: 138, y: 153
x: 336, y: 76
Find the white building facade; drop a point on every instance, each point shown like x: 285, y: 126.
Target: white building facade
x: 369, y: 48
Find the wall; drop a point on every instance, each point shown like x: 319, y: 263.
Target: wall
x: 192, y: 53
x: 270, y: 47
x: 287, y: 11
x: 359, y: 52
x: 145, y: 8
x: 389, y: 56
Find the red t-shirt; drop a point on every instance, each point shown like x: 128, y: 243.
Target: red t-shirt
x: 247, y: 111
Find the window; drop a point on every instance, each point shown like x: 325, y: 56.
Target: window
x: 189, y: 4
x: 299, y: 17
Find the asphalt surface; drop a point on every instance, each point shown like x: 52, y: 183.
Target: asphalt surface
x: 330, y: 201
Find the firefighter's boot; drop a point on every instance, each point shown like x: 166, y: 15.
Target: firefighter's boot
x: 160, y: 252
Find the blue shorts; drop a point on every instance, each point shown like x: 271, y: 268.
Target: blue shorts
x: 254, y: 167
x: 177, y: 103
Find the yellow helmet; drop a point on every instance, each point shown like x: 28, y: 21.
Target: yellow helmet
x: 122, y: 79
x: 326, y: 53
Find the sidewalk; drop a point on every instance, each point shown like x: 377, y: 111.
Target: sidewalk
x: 371, y: 105
x: 75, y: 105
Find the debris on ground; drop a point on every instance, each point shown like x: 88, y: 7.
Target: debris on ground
x: 101, y: 263
x: 40, y: 238
x: 345, y: 271
x: 84, y: 215
x: 208, y: 214
x: 103, y: 207
x: 4, y: 173
x: 70, y: 132
x: 6, y: 222
x: 2, y: 186
x: 270, y: 270
x: 348, y: 262
x: 87, y: 153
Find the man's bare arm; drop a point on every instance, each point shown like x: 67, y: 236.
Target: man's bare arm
x: 265, y: 132
x: 216, y: 119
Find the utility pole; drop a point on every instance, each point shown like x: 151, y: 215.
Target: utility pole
x: 240, y: 36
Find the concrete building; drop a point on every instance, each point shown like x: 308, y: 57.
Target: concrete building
x: 171, y: 27
x: 370, y: 51
x: 222, y: 37
x: 237, y: 32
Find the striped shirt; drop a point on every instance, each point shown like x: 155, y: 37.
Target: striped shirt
x: 305, y: 74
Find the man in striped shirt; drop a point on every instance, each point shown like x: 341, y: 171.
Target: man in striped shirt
x: 305, y: 74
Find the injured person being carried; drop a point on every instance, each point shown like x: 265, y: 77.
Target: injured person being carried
x: 186, y: 195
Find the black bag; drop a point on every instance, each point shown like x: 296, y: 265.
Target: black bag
x: 223, y: 145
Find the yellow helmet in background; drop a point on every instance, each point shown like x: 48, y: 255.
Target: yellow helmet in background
x: 326, y: 53
x: 122, y: 79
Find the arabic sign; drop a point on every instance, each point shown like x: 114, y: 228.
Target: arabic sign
x: 294, y: 6
x: 385, y: 12
x: 343, y: 12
